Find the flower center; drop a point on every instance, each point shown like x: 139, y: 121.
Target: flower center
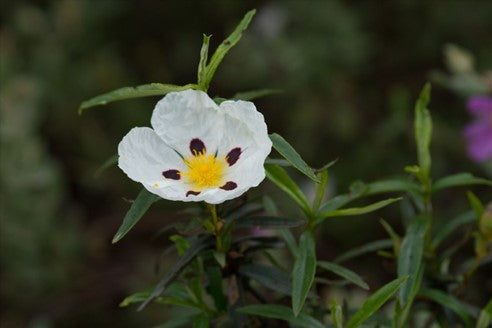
x: 205, y: 171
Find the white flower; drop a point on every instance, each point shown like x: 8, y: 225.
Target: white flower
x: 197, y: 150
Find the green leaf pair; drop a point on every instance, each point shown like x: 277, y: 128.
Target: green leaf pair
x: 206, y: 70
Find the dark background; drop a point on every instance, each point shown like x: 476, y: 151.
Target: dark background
x: 350, y: 71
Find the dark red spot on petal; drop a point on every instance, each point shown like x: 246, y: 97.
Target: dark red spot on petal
x: 191, y: 192
x: 197, y: 146
x: 233, y: 156
x: 230, y: 185
x: 172, y: 174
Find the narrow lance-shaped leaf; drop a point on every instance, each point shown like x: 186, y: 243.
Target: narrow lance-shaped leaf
x: 402, y: 312
x: 411, y: 257
x: 290, y: 241
x: 459, y: 179
x: 374, y: 302
x: 278, y: 161
x: 303, y: 271
x: 225, y: 46
x: 282, y: 313
x: 139, y: 206
x: 373, y: 188
x: 255, y: 94
x: 146, y: 90
x: 320, y: 188
x: 290, y: 154
x: 423, y: 129
x: 336, y: 314
x: 364, y: 249
x: 134, y: 298
x: 339, y: 201
x: 447, y: 301
x: 344, y: 273
x: 392, y: 185
x: 356, y: 210
x: 280, y: 177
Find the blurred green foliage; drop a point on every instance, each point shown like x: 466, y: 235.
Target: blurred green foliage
x: 350, y: 72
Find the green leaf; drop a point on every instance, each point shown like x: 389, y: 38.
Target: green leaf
x: 485, y: 317
x: 196, y: 246
x: 476, y: 204
x: 146, y: 90
x: 270, y: 206
x: 320, y: 188
x: 224, y: 48
x: 182, y: 244
x: 220, y: 257
x: 449, y: 226
x: 214, y: 287
x: 201, y: 321
x: 360, y: 189
x: 254, y: 94
x: 392, y: 185
x: 278, y: 161
x: 393, y: 235
x: 338, y: 201
x: 364, y: 249
x: 134, y: 298
x: 374, y: 302
x: 268, y: 222
x: 447, y: 301
x: 202, y: 65
x: 290, y: 154
x: 423, y: 129
x: 113, y: 160
x: 411, y: 257
x: 356, y: 210
x: 139, y: 206
x: 303, y: 271
x: 282, y: 313
x: 280, y: 177
x: 336, y: 314
x: 402, y: 313
x: 344, y: 273
x: 459, y: 179
x: 290, y: 241
x: 270, y: 277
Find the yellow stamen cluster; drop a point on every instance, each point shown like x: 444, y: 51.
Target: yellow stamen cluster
x: 205, y: 171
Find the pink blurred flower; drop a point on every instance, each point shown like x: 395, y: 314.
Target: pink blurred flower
x: 479, y: 133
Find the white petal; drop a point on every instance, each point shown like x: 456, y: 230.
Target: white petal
x: 182, y: 116
x: 246, y: 112
x: 217, y: 195
x: 245, y: 128
x: 143, y: 156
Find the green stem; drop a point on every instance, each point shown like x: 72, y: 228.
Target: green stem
x: 217, y: 225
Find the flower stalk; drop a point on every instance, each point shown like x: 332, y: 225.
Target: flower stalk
x: 217, y: 223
